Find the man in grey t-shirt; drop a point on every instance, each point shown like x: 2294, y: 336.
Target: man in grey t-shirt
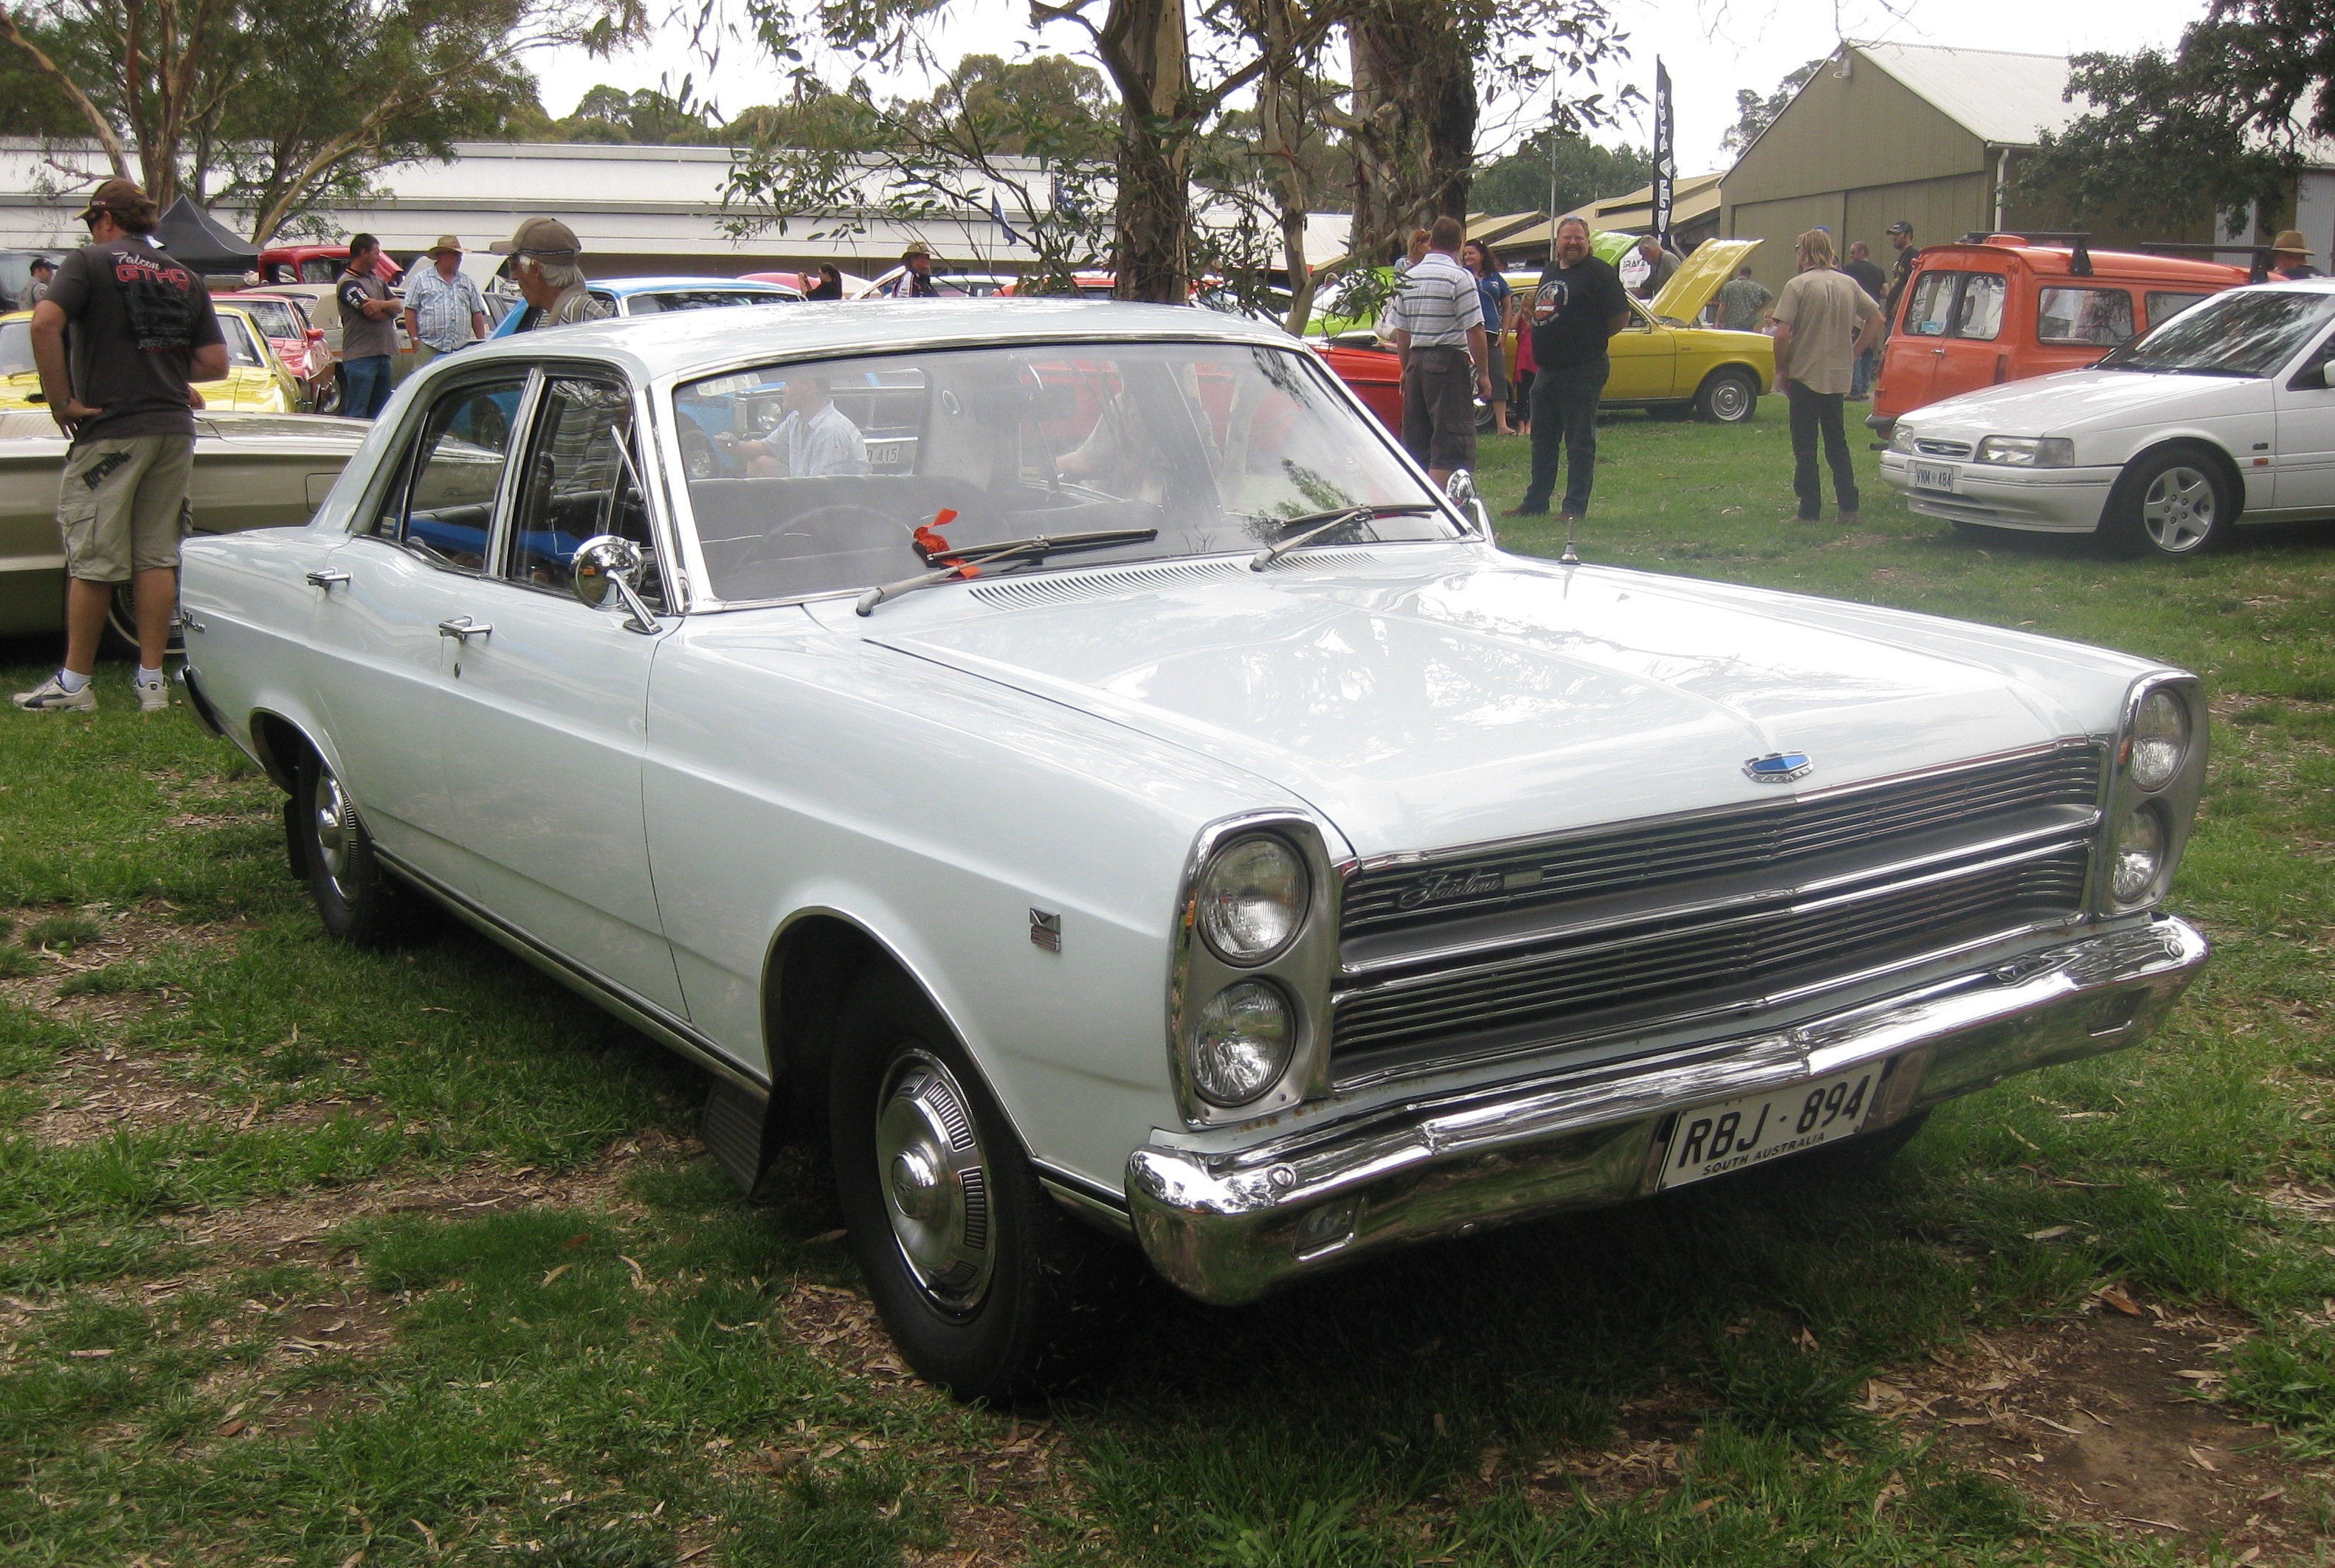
x: 368, y: 330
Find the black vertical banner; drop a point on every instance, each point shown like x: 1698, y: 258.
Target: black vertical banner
x: 1665, y: 153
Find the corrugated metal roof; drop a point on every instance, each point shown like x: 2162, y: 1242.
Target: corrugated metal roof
x: 1996, y: 96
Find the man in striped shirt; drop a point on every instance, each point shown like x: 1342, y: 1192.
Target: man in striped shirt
x: 1438, y: 321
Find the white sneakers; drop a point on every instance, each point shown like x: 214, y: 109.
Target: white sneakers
x: 51, y: 697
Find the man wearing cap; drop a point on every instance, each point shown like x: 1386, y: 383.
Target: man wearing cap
x: 915, y: 280
x: 45, y: 272
x: 2289, y: 257
x: 124, y: 332
x: 444, y: 309
x: 546, y: 268
x: 368, y: 330
x: 1901, y: 240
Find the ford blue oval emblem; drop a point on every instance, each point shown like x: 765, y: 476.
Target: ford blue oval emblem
x: 1779, y: 767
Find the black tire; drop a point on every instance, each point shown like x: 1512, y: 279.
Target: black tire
x: 1728, y: 397
x: 987, y: 1287
x: 2173, y: 504
x: 120, y: 638
x: 357, y: 900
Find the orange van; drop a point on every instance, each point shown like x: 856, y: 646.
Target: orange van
x: 2001, y: 309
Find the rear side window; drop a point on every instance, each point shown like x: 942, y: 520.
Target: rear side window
x: 441, y: 505
x: 2101, y: 316
x: 2164, y: 306
x: 1980, y: 315
x: 1932, y: 304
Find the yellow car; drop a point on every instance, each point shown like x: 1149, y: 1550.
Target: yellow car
x: 254, y: 385
x: 1664, y: 362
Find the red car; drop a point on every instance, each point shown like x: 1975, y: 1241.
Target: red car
x: 314, y: 263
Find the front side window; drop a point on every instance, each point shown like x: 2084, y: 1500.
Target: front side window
x: 582, y: 480
x: 841, y: 474
x: 697, y: 299
x: 442, y: 505
x: 1980, y: 315
x: 2084, y: 316
x: 2246, y: 333
x: 1931, y: 303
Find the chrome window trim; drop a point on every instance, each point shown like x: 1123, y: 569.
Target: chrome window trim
x: 661, y: 389
x: 1302, y: 970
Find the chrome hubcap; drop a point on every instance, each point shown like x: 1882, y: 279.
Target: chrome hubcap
x: 936, y: 1181
x: 1730, y: 400
x: 2178, y: 510
x: 336, y: 830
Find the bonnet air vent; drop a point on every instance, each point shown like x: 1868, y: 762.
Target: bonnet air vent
x: 1073, y: 587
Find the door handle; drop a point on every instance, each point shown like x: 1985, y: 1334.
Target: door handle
x: 327, y: 580
x: 463, y: 629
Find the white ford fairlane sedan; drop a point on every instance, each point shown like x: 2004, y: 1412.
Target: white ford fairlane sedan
x: 2221, y: 414
x: 1071, y: 752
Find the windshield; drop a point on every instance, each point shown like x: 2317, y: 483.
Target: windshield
x: 700, y: 299
x: 274, y: 318
x: 2250, y: 333
x: 16, y: 348
x: 841, y: 474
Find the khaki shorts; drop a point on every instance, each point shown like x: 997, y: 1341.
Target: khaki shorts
x: 122, y: 505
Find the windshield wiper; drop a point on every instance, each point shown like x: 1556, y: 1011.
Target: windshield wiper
x: 1036, y: 547
x: 1330, y: 522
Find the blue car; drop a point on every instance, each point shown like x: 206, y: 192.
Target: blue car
x: 655, y: 295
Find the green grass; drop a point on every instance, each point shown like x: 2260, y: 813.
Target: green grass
x: 611, y: 1359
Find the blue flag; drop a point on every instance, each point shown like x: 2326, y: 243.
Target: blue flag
x: 997, y: 211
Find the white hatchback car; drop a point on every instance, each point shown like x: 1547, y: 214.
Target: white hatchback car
x: 2222, y: 414
x: 1071, y: 751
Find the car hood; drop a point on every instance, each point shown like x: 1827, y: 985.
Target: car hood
x: 1699, y: 277
x: 2087, y: 400
x: 1446, y: 695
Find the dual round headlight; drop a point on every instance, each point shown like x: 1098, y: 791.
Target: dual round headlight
x: 1241, y: 1042
x: 1252, y: 899
x: 2139, y: 858
x: 2160, y: 740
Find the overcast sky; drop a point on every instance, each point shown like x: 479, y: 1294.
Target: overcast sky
x: 1712, y: 46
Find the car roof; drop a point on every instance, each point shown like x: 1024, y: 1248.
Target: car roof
x: 2108, y: 266
x: 631, y: 285
x: 682, y: 340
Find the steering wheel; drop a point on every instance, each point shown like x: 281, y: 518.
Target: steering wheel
x: 840, y: 527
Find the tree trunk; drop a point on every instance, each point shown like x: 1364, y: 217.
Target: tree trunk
x: 1144, y: 47
x: 1415, y: 111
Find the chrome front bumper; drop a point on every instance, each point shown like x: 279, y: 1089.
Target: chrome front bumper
x: 1228, y: 1227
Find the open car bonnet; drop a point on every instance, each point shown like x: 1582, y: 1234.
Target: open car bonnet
x: 1427, y: 698
x: 1699, y: 278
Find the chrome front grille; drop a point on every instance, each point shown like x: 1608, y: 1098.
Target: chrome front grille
x: 1937, y: 449
x: 1524, y: 946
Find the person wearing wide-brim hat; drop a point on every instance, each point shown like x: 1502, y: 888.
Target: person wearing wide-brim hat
x: 2289, y: 257
x: 546, y: 267
x: 915, y: 280
x: 443, y: 308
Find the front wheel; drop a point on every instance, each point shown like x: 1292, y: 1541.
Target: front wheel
x: 2173, y: 503
x: 355, y: 898
x: 1728, y: 397
x: 987, y: 1288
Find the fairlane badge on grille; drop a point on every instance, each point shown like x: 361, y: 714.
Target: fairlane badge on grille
x: 1778, y: 767
x: 1443, y: 887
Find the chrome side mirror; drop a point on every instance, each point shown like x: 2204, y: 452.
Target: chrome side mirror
x: 606, y: 561
x: 1460, y: 488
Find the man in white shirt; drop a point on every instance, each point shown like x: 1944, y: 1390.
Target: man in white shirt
x: 815, y: 437
x: 1438, y: 324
